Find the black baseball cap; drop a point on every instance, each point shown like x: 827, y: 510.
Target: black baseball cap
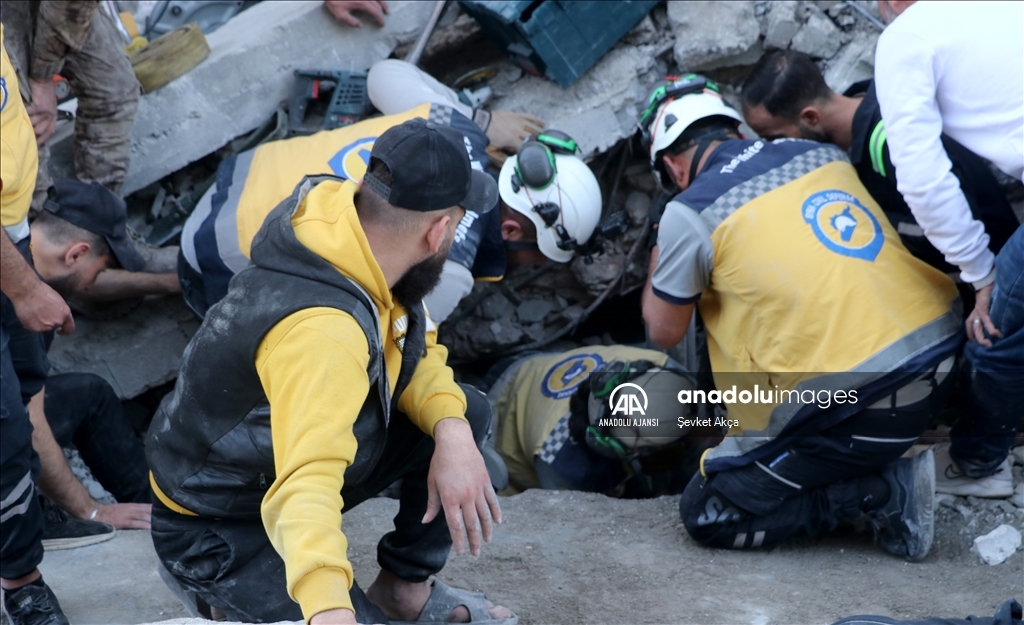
x: 95, y: 208
x: 430, y: 169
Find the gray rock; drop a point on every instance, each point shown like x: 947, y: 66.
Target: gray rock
x: 855, y: 62
x: 945, y: 501
x: 782, y: 24
x: 1018, y: 496
x: 494, y: 307
x: 998, y: 545
x: 533, y: 310
x: 1018, y: 455
x: 710, y: 35
x: 819, y: 37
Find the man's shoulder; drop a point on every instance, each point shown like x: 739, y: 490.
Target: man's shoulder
x: 746, y: 169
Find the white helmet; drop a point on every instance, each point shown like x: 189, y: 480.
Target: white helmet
x: 555, y: 190
x: 675, y: 106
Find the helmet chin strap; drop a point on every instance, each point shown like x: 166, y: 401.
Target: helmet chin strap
x: 526, y: 246
x: 703, y: 143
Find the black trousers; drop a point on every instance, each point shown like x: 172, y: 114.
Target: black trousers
x: 23, y: 369
x: 819, y: 482
x: 82, y: 409
x: 231, y: 565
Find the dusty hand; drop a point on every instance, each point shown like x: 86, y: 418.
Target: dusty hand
x: 42, y: 310
x: 979, y: 319
x: 342, y: 9
x: 508, y: 129
x: 126, y: 516
x: 43, y: 110
x: 459, y: 483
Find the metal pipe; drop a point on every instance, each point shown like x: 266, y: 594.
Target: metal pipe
x: 421, y: 44
x: 865, y: 14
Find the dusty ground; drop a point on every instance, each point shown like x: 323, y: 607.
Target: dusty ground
x: 573, y: 558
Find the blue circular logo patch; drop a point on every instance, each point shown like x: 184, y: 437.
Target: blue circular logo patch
x: 562, y: 379
x: 352, y: 160
x: 844, y: 225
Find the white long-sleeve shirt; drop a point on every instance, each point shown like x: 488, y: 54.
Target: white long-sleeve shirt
x: 958, y: 68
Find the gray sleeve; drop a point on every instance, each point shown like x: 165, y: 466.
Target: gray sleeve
x: 685, y: 255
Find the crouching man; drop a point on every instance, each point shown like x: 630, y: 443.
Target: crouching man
x: 315, y: 384
x: 802, y: 285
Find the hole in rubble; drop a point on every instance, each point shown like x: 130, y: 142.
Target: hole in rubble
x: 617, y: 318
x: 139, y: 410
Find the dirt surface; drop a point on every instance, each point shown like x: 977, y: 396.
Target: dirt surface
x: 578, y: 558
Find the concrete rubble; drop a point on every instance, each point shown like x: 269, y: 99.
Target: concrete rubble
x: 542, y: 564
x: 249, y: 74
x: 998, y: 545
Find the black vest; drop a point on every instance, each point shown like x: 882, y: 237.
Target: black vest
x: 209, y: 446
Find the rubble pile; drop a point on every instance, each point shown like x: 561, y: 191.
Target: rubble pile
x: 976, y: 518
x: 720, y: 39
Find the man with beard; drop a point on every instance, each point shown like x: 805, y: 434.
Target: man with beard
x: 315, y: 384
x: 786, y: 96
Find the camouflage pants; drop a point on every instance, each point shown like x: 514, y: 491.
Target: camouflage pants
x: 102, y: 79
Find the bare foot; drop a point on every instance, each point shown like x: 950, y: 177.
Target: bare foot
x: 403, y: 601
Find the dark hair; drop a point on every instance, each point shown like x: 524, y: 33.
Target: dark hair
x: 380, y: 170
x: 63, y: 232
x: 784, y: 82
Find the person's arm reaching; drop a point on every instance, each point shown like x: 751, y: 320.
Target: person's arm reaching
x: 458, y: 480
x: 313, y: 369
x: 680, y: 270
x: 38, y: 307
x: 906, y: 87
x: 61, y: 485
x: 342, y: 9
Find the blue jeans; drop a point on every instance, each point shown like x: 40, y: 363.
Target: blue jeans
x: 994, y: 409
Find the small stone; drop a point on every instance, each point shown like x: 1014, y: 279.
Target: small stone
x: 533, y: 310
x: 1018, y: 455
x: 964, y: 511
x: 819, y: 37
x: 945, y: 500
x: 494, y: 307
x: 998, y: 545
x: 1018, y: 496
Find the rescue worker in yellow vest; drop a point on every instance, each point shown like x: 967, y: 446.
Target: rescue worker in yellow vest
x: 216, y: 239
x: 556, y: 429
x: 315, y: 384
x: 826, y: 336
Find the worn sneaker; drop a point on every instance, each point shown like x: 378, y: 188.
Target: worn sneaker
x: 33, y: 604
x: 62, y: 531
x: 905, y: 525
x: 951, y: 480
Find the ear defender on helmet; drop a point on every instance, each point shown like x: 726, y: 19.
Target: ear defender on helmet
x: 535, y: 163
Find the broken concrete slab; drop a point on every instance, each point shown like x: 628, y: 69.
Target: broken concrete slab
x: 998, y: 545
x: 600, y: 109
x: 782, y: 23
x: 854, y: 62
x: 819, y: 37
x: 112, y: 582
x: 557, y: 556
x: 249, y: 74
x: 135, y: 353
x: 712, y: 34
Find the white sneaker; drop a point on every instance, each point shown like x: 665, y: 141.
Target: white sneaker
x: 951, y: 480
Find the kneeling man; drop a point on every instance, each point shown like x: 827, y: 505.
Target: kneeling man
x: 802, y: 285
x: 315, y: 384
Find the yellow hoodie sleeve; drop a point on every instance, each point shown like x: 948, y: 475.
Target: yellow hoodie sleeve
x: 313, y: 368
x: 432, y: 393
